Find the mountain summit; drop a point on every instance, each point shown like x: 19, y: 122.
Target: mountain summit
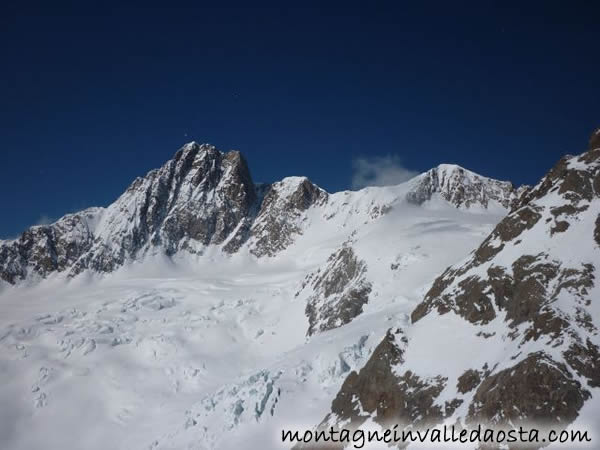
x: 462, y: 188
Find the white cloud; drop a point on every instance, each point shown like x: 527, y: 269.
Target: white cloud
x: 379, y: 171
x: 44, y: 220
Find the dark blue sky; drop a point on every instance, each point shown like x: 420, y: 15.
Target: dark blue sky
x: 92, y: 96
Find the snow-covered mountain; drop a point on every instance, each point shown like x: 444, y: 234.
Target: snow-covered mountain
x: 201, y: 310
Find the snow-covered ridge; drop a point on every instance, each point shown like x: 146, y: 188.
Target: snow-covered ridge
x: 204, y: 199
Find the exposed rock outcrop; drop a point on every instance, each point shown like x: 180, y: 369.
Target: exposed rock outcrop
x: 462, y: 188
x: 536, y: 390
x: 44, y: 249
x: 339, y: 291
x: 281, y: 213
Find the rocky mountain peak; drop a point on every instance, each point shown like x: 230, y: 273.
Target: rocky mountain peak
x: 299, y: 192
x: 282, y: 212
x: 574, y: 178
x: 208, y: 165
x: 461, y: 187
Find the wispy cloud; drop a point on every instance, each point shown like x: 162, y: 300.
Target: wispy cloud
x: 44, y: 220
x: 379, y: 171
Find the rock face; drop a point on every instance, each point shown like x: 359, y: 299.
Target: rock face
x: 462, y: 188
x: 529, y: 296
x: 204, y: 198
x: 339, y: 291
x: 383, y: 393
x: 48, y: 248
x: 537, y: 388
x: 197, y: 199
x: 281, y: 214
